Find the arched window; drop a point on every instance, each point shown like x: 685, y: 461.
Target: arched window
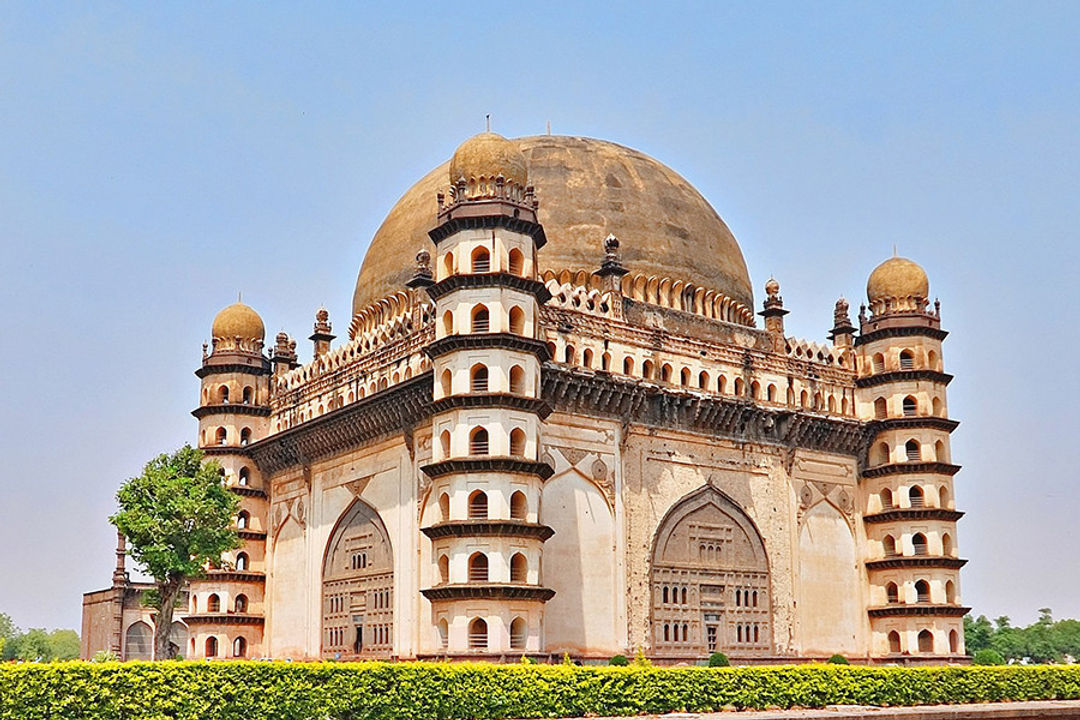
x: 569, y: 354
x: 911, y: 406
x: 220, y: 436
x: 517, y: 320
x: 245, y: 436
x: 647, y: 370
x: 519, y: 633
x: 223, y: 394
x: 938, y: 409
x: 243, y: 477
x: 448, y: 323
x: 478, y: 505
x: 918, y: 543
x: 926, y: 641
x: 886, y: 499
x: 448, y: 264
x: 950, y: 592
x: 516, y: 264
x: 946, y: 545
x: 755, y: 390
x: 916, y: 497
x: 213, y: 603
x: 444, y: 507
x: 940, y: 454
x: 740, y: 387
x: 249, y: 395
x: 240, y: 605
x: 721, y: 384
x: 878, y: 363
x: 241, y: 561
x: 139, y: 642
x: 239, y: 647
x: 790, y: 396
x: 478, y: 379
x: 684, y: 377
x: 922, y: 591
x: 817, y: 401
x: 478, y: 567
x: 880, y: 456
x: 770, y: 393
x: 894, y: 642
x: 943, y: 497
x: 888, y: 545
x: 242, y: 519
x: 481, y: 322
x: 443, y: 637
x: 587, y: 358
x: 481, y: 260
x: 444, y: 569
x: 892, y: 594
x: 519, y: 568
x: 913, y: 451
x: 444, y: 443
x: 517, y: 442
x: 211, y: 647
x: 907, y: 360
x: 954, y: 642
x: 478, y: 441
x: 628, y: 365
x: 832, y: 403
x: 932, y: 360
x: 517, y: 380
x: 446, y: 383
x: 666, y: 373
x: 605, y: 362
x: 665, y: 594
x: 803, y: 398
x: 519, y: 506
x: 478, y: 634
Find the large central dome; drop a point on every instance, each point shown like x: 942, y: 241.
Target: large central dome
x: 587, y: 189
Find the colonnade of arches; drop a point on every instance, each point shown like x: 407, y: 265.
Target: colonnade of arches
x: 924, y: 643
x: 222, y: 395
x: 480, y: 320
x: 213, y: 648
x: 480, y: 442
x: 479, y: 633
x: 923, y: 594
x: 913, y: 451
x: 481, y: 260
x: 917, y: 497
x: 481, y: 380
x: 213, y: 604
x: 903, y: 359
x: 909, y: 407
x: 920, y: 547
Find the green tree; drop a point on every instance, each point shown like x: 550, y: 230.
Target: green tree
x: 33, y: 646
x: 177, y: 517
x: 977, y: 633
x: 63, y: 645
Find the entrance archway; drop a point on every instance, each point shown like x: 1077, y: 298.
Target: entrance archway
x: 358, y: 581
x: 710, y: 581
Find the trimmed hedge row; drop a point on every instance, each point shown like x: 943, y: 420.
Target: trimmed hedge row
x: 448, y: 691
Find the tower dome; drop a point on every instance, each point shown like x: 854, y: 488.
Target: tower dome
x: 587, y: 189
x: 488, y: 155
x: 238, y: 320
x: 897, y: 278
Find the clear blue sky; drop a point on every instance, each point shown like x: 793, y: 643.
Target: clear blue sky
x: 156, y: 158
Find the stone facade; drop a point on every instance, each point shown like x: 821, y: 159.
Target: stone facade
x: 510, y: 458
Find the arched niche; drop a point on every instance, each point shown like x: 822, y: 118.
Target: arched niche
x: 710, y: 581
x: 139, y: 641
x: 829, y: 602
x: 357, y: 588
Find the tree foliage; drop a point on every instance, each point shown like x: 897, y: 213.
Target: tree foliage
x: 38, y: 644
x: 177, y: 517
x: 1045, y: 640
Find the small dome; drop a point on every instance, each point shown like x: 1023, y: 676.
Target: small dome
x: 238, y: 320
x: 897, y: 277
x: 489, y: 155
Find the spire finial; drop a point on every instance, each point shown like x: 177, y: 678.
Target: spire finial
x: 239, y: 296
x: 487, y: 119
x: 548, y: 127
x: 894, y: 253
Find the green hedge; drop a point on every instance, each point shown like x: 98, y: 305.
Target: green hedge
x: 343, y: 691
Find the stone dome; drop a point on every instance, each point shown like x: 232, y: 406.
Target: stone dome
x: 897, y: 277
x: 488, y: 155
x: 238, y: 320
x: 587, y: 189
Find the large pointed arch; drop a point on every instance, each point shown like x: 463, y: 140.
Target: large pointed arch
x: 710, y: 580
x: 357, y: 587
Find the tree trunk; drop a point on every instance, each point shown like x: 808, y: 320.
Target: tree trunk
x: 168, y: 591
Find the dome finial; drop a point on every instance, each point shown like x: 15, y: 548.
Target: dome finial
x: 487, y: 123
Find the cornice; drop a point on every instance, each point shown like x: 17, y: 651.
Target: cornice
x: 493, y: 400
x: 470, y: 222
x: 486, y: 464
x: 231, y: 409
x: 916, y: 561
x: 910, y: 514
x: 902, y: 376
x: 263, y: 368
x: 488, y: 591
x: 233, y: 575
x: 240, y: 450
x: 918, y: 610
x: 490, y: 280
x: 247, y: 491
x: 915, y: 422
x: 911, y: 468
x: 484, y: 341
x: 224, y: 619
x: 251, y: 535
x: 488, y: 528
x: 901, y: 331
